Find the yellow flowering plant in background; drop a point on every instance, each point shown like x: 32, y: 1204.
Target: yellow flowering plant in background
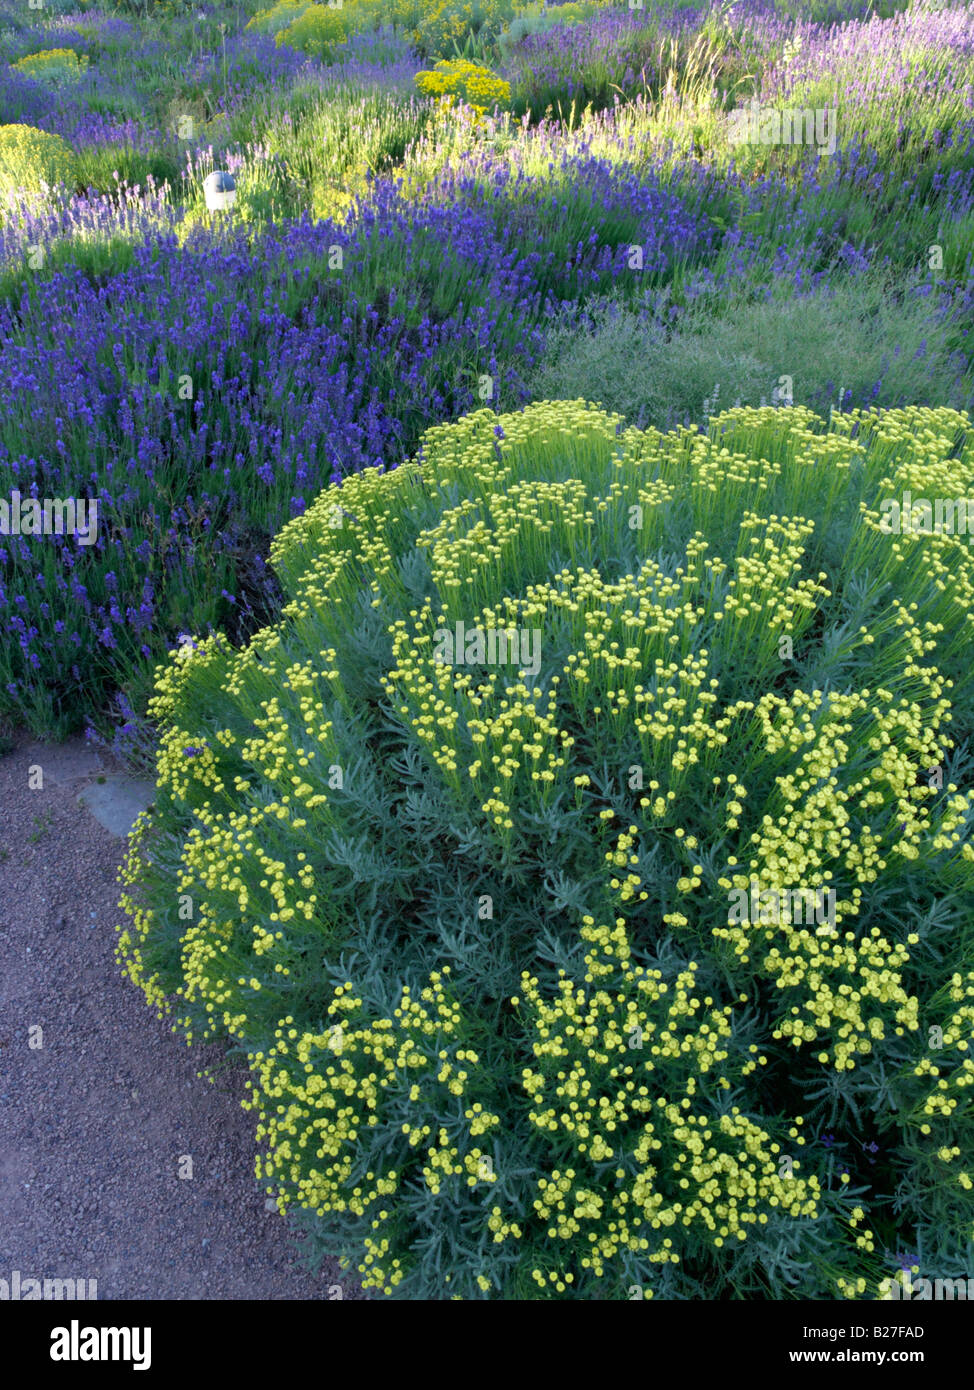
x: 435, y: 28
x: 317, y: 29
x: 510, y: 940
x: 448, y: 28
x: 56, y: 67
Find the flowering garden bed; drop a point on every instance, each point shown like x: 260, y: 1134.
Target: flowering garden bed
x: 527, y: 539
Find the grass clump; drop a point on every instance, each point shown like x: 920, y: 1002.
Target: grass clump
x: 858, y: 338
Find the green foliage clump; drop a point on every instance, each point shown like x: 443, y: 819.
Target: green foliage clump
x: 279, y: 17
x: 539, y: 18
x: 31, y: 158
x: 583, y: 849
x: 890, y: 349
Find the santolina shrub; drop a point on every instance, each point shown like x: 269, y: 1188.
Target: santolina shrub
x: 57, y: 67
x: 30, y: 158
x: 484, y: 855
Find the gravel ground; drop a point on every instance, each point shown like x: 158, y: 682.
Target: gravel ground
x: 93, y: 1123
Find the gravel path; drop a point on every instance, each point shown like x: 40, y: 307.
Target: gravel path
x: 94, y: 1122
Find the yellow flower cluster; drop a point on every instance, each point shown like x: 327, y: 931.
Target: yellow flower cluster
x: 141, y: 921
x: 950, y: 1099
x: 805, y: 838
x: 332, y: 1085
x: 599, y: 1050
x: 915, y: 451
x: 454, y: 78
